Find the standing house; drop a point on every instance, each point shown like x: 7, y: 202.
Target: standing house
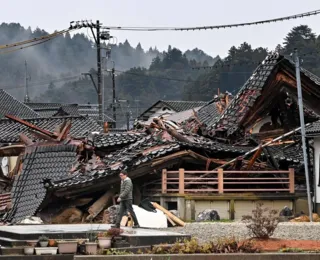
x: 313, y: 132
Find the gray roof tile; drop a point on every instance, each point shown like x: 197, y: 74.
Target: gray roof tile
x: 10, y: 130
x: 39, y: 163
x: 10, y: 105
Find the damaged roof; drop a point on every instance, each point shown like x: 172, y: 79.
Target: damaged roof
x: 81, y: 126
x: 39, y: 163
x: 61, y: 109
x: 171, y: 105
x: 10, y: 105
x: 116, y: 139
x: 230, y: 120
x: 314, y: 128
x: 143, y: 151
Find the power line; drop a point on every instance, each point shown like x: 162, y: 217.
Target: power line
x: 211, y: 27
x: 41, y: 83
x: 155, y: 77
x: 24, y: 47
x: 34, y: 42
x: 11, y: 45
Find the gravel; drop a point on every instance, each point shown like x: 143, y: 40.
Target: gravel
x: 205, y: 232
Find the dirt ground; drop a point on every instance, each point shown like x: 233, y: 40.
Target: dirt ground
x: 277, y: 244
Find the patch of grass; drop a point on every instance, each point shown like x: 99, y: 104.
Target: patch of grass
x: 291, y: 250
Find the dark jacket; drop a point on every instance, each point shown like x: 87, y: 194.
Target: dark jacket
x: 126, y: 189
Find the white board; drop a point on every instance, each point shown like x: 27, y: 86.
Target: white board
x: 149, y: 219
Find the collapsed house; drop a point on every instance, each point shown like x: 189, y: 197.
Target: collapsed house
x: 231, y: 153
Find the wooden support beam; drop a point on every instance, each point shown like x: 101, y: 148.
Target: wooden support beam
x: 220, y: 180
x: 291, y: 180
x: 100, y: 204
x: 29, y: 125
x: 65, y: 131
x: 164, y: 181
x: 254, y: 158
x: 42, y: 136
x: 181, y: 181
x: 25, y: 139
x: 173, y: 217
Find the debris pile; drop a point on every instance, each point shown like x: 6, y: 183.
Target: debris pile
x: 77, y: 174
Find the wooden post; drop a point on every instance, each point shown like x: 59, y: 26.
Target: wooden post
x: 181, y: 181
x: 220, y: 180
x: 291, y: 180
x: 164, y: 181
x: 231, y: 210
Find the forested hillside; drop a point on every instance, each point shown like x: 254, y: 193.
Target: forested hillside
x: 66, y: 56
x: 142, y: 76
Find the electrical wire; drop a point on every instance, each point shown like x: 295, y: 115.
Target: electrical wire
x: 155, y: 77
x: 40, y: 83
x: 24, y: 47
x: 211, y: 27
x: 34, y: 39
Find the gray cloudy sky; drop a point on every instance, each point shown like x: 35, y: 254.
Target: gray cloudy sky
x: 56, y: 15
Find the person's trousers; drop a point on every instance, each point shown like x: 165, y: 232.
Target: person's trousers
x: 126, y: 207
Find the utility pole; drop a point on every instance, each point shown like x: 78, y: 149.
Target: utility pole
x: 26, y: 97
x: 128, y: 120
x: 114, y: 96
x: 104, y: 35
x: 100, y: 99
x: 303, y: 130
x: 137, y: 108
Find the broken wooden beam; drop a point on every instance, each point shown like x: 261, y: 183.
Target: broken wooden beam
x: 42, y: 136
x: 32, y: 126
x: 25, y: 139
x: 254, y: 158
x: 100, y: 204
x: 168, y: 213
x: 266, y: 144
x: 65, y: 131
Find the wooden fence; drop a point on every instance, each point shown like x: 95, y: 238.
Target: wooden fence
x: 222, y: 182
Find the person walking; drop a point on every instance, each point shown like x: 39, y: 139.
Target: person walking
x: 125, y: 199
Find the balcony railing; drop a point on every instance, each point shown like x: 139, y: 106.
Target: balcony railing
x: 221, y: 181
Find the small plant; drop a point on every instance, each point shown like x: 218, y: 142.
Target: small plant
x: 262, y: 223
x: 112, y: 232
x: 43, y: 239
x: 230, y: 245
x: 113, y: 251
x: 290, y: 250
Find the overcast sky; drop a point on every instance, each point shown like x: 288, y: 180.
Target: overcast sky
x: 56, y: 15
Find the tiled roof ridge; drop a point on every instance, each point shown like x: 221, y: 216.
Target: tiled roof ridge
x: 51, y: 148
x: 48, y: 118
x: 21, y: 103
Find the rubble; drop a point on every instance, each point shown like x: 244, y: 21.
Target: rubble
x: 73, y: 162
x: 208, y: 215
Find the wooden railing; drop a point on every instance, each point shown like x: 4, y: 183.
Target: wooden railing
x: 221, y: 181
